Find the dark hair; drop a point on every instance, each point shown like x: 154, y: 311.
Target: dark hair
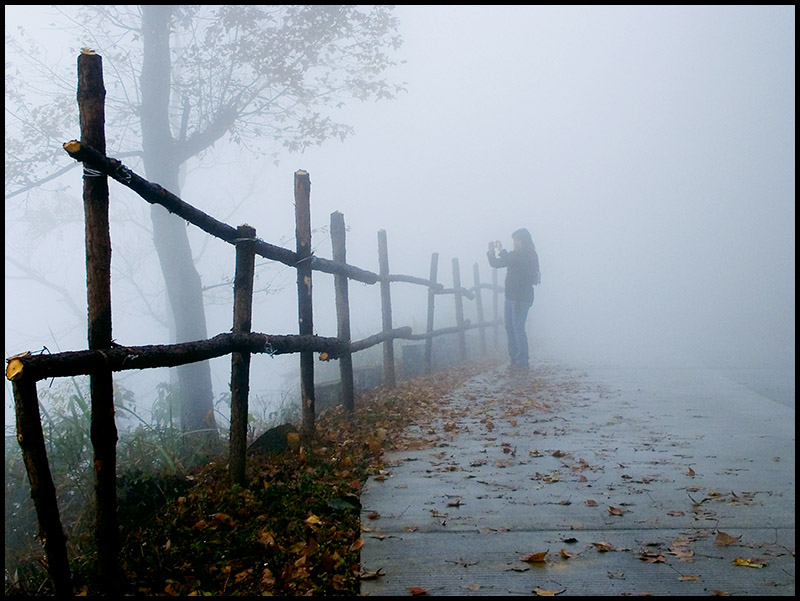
x: 524, y: 236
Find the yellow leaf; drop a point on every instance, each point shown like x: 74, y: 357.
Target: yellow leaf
x: 535, y: 557
x: 567, y: 554
x: 313, y: 520
x: 753, y: 562
x: 541, y: 592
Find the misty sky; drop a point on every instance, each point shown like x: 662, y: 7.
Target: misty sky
x: 649, y: 150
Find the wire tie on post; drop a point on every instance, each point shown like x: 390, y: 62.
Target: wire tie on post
x: 89, y: 172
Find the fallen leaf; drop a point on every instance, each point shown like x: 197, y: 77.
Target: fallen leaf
x: 724, y: 539
x: 718, y: 593
x: 675, y: 513
x: 567, y: 554
x: 541, y: 592
x: 357, y: 545
x: 266, y: 538
x: 373, y: 515
x: 534, y: 557
x: 371, y: 575
x: 313, y: 520
x: 603, y: 546
x: 689, y: 578
x: 651, y: 557
x: 615, y: 510
x: 415, y: 590
x: 753, y: 562
x: 591, y: 502
x: 616, y: 575
x: 690, y: 473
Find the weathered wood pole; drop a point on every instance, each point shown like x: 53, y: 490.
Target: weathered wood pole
x: 479, y: 306
x: 43, y: 491
x: 457, y: 290
x: 386, y: 310
x: 431, y: 304
x: 302, y: 209
x: 339, y: 253
x: 495, y: 308
x: 240, y: 362
x: 91, y: 104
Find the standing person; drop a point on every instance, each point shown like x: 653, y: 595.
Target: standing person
x: 523, y: 273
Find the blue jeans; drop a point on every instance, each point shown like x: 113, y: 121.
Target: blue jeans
x: 516, y: 312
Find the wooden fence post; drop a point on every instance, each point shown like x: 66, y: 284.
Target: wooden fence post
x: 495, y: 296
x: 240, y: 362
x: 91, y: 104
x: 479, y: 306
x: 339, y: 251
x: 302, y: 204
x: 431, y: 302
x: 462, y: 338
x: 43, y: 491
x: 386, y: 310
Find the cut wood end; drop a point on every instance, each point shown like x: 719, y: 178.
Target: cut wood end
x: 301, y: 172
x: 72, y: 146
x: 87, y: 51
x: 14, y: 369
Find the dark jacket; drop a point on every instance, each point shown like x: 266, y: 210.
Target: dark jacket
x: 522, y: 274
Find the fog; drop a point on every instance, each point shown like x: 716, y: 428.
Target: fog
x: 649, y: 150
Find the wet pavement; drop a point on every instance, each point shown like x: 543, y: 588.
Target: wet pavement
x: 591, y: 481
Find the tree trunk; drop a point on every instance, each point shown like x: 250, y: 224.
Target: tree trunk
x: 184, y: 288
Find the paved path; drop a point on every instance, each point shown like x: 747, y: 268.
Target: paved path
x: 626, y: 478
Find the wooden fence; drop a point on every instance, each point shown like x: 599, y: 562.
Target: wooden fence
x: 103, y: 356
